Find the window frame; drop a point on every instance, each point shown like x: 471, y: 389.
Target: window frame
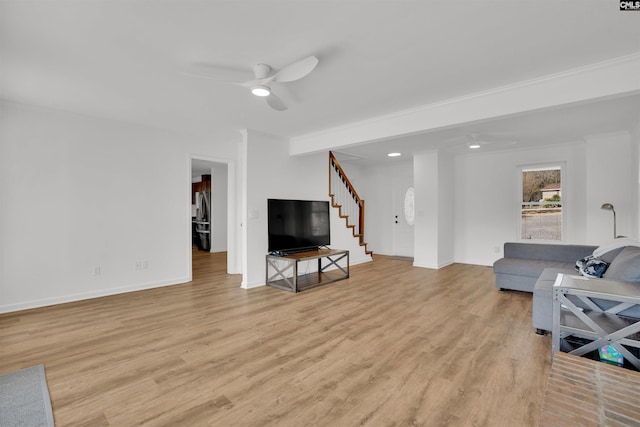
x: 562, y: 165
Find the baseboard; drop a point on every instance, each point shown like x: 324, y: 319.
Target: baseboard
x: 9, y: 308
x: 251, y: 285
x: 436, y: 266
x: 445, y: 263
x: 366, y: 258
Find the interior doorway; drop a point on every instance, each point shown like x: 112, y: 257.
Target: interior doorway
x: 212, y: 210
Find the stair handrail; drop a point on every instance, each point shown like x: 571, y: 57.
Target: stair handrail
x: 334, y: 161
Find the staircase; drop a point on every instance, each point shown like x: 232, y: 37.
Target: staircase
x: 345, y: 198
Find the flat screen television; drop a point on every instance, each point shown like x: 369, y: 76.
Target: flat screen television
x: 298, y: 225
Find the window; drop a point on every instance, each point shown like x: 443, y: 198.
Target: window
x: 541, y: 203
x: 409, y: 206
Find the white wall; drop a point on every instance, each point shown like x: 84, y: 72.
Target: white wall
x: 609, y: 180
x: 446, y: 203
x: 358, y: 175
x: 434, y: 204
x: 79, y: 193
x: 486, y: 199
x: 219, y: 208
x: 596, y: 171
x: 272, y: 173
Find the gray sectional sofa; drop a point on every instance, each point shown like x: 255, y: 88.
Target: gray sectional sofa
x: 523, y: 263
x: 533, y: 267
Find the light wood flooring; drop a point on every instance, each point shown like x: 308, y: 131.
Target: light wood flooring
x: 393, y: 345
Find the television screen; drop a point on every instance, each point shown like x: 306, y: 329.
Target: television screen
x: 296, y: 225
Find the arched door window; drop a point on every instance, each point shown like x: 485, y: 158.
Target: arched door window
x: 409, y: 206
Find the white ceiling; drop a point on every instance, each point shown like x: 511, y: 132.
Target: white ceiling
x: 123, y: 60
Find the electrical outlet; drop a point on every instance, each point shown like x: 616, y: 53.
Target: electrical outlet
x: 496, y: 249
x: 96, y: 270
x: 138, y: 265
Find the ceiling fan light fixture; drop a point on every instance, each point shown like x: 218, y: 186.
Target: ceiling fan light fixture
x: 261, y: 91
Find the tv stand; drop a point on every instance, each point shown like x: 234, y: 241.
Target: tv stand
x: 286, y: 270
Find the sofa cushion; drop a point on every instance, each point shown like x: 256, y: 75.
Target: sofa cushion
x: 626, y: 266
x: 608, y: 257
x: 614, y: 245
x: 527, y: 267
x: 542, y: 251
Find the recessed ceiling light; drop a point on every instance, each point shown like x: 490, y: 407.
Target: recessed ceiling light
x: 394, y: 154
x: 474, y: 146
x: 261, y: 91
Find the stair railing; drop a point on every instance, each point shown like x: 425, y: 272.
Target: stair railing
x: 346, y: 198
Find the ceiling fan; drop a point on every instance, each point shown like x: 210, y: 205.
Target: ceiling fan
x: 264, y: 75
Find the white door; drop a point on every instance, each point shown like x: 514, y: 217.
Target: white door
x: 402, y: 230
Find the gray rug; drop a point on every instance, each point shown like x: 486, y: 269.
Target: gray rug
x: 24, y: 398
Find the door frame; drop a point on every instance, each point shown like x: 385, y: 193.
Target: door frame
x: 398, y: 185
x: 233, y: 235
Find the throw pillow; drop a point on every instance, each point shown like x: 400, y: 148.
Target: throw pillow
x: 591, y: 266
x: 626, y: 266
x: 608, y: 257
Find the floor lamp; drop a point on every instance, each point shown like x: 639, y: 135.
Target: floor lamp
x: 609, y: 207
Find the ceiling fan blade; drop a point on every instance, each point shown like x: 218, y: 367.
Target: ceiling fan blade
x: 276, y: 103
x: 202, y: 76
x: 296, y: 71
x: 210, y: 71
x: 248, y: 84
